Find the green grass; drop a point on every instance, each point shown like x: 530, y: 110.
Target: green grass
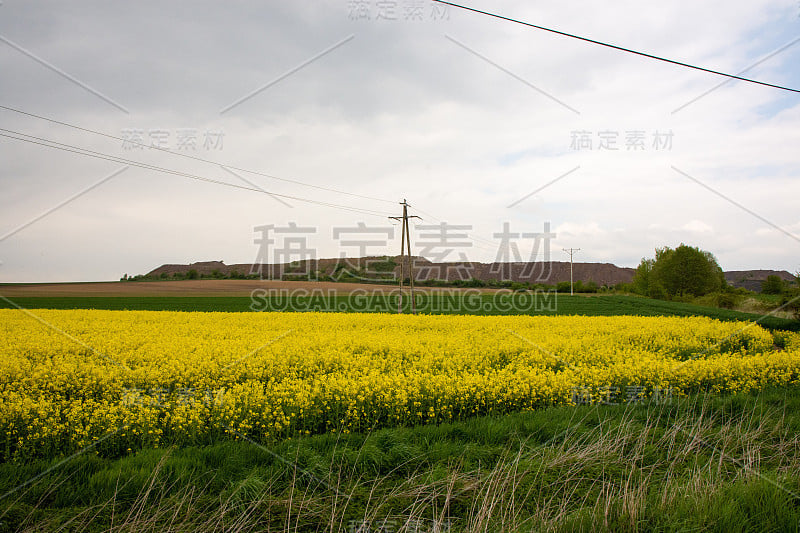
x: 697, y: 464
x: 487, y: 304
x: 771, y: 299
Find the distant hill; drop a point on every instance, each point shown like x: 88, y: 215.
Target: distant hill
x: 752, y: 279
x: 549, y: 273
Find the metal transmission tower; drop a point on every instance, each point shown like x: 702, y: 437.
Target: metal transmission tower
x: 570, y: 251
x: 405, y: 243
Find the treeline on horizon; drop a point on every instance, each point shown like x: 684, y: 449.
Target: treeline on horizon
x: 689, y: 274
x: 685, y: 273
x: 345, y: 273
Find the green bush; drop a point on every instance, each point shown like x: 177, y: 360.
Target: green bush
x: 726, y: 300
x: 791, y: 302
x: 387, y: 265
x: 773, y: 285
x: 681, y: 273
x: 656, y: 290
x: 519, y: 286
x: 590, y: 287
x: 624, y: 287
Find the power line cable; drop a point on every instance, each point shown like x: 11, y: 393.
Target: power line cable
x: 608, y: 45
x: 19, y: 136
x: 196, y: 158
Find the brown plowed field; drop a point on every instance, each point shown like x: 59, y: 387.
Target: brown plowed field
x: 205, y: 287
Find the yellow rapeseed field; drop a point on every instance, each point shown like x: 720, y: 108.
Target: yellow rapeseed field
x: 133, y: 379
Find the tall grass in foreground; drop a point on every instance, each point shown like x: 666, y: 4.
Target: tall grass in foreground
x: 701, y: 464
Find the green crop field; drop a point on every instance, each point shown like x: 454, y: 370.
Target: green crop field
x: 484, y: 304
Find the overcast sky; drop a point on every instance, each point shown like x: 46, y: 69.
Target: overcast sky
x: 463, y: 115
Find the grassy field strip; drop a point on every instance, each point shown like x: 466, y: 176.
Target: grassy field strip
x: 487, y: 304
x: 705, y: 463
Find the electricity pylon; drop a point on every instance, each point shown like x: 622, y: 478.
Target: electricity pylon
x: 405, y: 243
x: 570, y: 251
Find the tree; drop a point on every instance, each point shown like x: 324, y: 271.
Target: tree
x: 791, y: 302
x: 684, y: 271
x: 562, y: 286
x: 641, y: 279
x: 193, y: 274
x: 772, y: 285
x: 791, y: 298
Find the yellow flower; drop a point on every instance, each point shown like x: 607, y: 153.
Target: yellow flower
x: 188, y: 377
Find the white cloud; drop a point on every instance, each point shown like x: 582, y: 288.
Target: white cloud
x: 399, y: 112
x: 697, y: 226
x: 591, y: 229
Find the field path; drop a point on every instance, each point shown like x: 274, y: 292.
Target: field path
x: 204, y: 287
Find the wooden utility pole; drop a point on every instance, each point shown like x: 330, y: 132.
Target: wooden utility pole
x: 405, y: 260
x: 570, y: 251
